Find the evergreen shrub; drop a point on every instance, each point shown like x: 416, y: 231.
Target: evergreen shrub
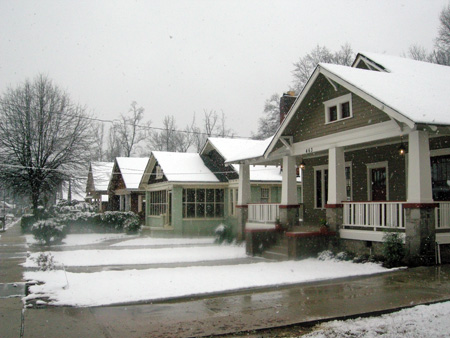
x: 49, y: 231
x: 393, y: 250
x: 224, y: 234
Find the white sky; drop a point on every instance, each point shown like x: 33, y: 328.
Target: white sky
x: 180, y: 57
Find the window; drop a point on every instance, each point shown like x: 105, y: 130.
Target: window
x: 338, y: 109
x: 233, y: 201
x: 157, y: 202
x: 203, y: 203
x: 159, y: 172
x: 265, y: 195
x: 321, y: 185
x: 440, y: 177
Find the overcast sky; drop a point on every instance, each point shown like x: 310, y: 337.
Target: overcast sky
x: 180, y: 57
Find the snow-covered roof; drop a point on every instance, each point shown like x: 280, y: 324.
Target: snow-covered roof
x: 132, y: 169
x: 184, y: 167
x: 417, y: 90
x: 101, y: 174
x: 234, y: 149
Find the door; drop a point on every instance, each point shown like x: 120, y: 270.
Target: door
x: 378, y: 184
x: 169, y: 208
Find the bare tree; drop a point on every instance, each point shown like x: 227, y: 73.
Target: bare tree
x: 114, y: 146
x: 44, y: 139
x: 166, y: 138
x: 268, y: 124
x: 213, y: 125
x: 131, y: 130
x: 98, y: 133
x: 419, y: 53
x: 306, y: 64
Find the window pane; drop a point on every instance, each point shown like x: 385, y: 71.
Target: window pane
x: 200, y: 195
x: 345, y: 108
x: 200, y: 210
x: 190, y: 210
x: 219, y: 195
x: 190, y: 195
x: 209, y: 195
x: 319, y: 189
x: 210, y: 210
x: 325, y: 188
x: 332, y: 113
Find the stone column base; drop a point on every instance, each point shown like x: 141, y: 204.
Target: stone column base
x: 242, y: 217
x: 420, y: 231
x: 289, y: 215
x: 335, y: 216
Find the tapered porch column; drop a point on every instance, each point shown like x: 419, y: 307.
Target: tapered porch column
x: 243, y: 199
x: 336, y: 187
x: 289, y: 207
x: 420, y: 208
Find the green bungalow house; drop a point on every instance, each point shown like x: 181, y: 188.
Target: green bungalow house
x: 190, y: 194
x: 374, y: 139
x: 123, y: 189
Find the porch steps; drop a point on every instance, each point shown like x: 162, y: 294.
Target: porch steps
x: 279, y: 251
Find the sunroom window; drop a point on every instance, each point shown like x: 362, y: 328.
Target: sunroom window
x: 338, y: 109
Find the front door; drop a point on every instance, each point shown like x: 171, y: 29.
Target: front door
x: 378, y: 176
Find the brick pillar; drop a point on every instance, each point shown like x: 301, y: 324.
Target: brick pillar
x: 243, y: 200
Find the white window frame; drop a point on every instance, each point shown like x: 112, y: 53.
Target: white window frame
x: 157, y: 203
x: 232, y: 197
x: 323, y: 168
x: 377, y: 165
x: 338, y: 103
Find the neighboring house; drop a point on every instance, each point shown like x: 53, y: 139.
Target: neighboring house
x: 97, y: 183
x: 123, y: 189
x: 375, y: 142
x: 190, y: 194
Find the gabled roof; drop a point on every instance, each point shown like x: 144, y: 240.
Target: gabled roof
x: 181, y: 167
x: 409, y: 91
x: 101, y: 174
x: 132, y: 169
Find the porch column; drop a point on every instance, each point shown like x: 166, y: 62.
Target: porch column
x: 243, y: 199
x: 420, y: 209
x: 289, y: 207
x: 336, y: 187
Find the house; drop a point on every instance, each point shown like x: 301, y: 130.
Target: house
x: 190, y: 194
x: 97, y: 183
x: 374, y: 143
x: 123, y: 189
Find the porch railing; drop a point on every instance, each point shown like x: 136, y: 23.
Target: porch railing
x: 374, y: 215
x: 443, y: 215
x: 263, y: 213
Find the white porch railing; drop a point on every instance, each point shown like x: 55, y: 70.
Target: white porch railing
x: 374, y: 215
x: 443, y: 215
x: 263, y: 213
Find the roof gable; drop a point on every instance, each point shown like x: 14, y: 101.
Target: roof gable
x: 99, y: 175
x: 131, y: 170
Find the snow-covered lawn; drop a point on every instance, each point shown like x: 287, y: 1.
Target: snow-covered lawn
x: 150, y: 241
x: 109, y: 287
x: 84, y: 239
x: 142, y: 256
x: 419, y: 321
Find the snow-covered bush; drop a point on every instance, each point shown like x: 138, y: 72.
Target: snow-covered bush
x: 45, y: 261
x: 224, y: 234
x: 48, y: 231
x: 325, y: 255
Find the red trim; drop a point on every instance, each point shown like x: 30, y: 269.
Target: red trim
x: 420, y: 205
x: 290, y: 206
x: 310, y: 234
x: 242, y: 206
x: 333, y: 206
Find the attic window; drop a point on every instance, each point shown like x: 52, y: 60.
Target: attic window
x: 159, y: 172
x: 338, y: 109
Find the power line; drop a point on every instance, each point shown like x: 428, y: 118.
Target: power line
x: 115, y: 121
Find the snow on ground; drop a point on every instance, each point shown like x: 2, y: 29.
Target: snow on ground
x: 419, y: 321
x: 142, y: 256
x: 110, y: 287
x: 84, y: 239
x: 150, y: 241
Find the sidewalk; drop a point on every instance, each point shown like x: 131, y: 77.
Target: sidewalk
x: 221, y: 314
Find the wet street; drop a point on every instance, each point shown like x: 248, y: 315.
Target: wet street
x: 247, y: 310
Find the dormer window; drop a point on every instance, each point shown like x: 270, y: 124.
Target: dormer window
x: 159, y: 172
x: 338, y: 109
